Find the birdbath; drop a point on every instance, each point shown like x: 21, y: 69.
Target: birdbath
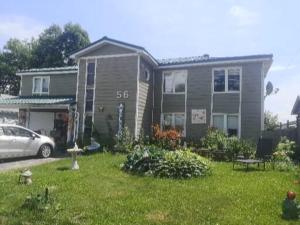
x: 74, y: 151
x: 25, y: 177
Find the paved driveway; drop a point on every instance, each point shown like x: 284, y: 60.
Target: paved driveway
x: 24, y: 163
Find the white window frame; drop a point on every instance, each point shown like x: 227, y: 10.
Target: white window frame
x: 226, y: 69
x: 173, y: 121
x: 173, y: 87
x: 225, y: 116
x: 40, y: 92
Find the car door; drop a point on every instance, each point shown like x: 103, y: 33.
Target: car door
x: 25, y: 141
x: 8, y: 143
x: 4, y: 145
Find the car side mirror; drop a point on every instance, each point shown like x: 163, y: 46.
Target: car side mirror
x: 33, y: 136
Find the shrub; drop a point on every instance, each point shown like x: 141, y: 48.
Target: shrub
x: 214, y: 140
x: 152, y: 160
x: 283, y: 153
x: 183, y: 164
x: 124, y: 142
x: 168, y: 139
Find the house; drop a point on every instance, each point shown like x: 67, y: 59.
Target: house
x: 117, y: 84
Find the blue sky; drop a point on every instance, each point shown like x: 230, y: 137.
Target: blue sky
x: 172, y: 28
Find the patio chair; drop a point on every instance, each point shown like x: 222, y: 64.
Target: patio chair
x: 263, y: 154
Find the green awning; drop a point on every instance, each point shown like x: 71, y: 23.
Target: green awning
x: 37, y: 100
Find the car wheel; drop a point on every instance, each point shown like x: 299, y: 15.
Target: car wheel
x: 45, y: 151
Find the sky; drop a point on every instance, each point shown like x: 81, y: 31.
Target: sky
x: 178, y: 28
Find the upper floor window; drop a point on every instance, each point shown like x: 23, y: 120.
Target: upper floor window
x: 226, y: 80
x: 90, y: 74
x: 41, y: 85
x: 174, y: 82
x: 147, y: 75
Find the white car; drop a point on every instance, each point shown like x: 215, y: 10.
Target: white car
x: 17, y: 141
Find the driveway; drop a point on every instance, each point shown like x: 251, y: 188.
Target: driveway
x: 24, y: 163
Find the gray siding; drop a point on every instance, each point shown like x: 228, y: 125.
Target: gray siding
x: 145, y: 102
x: 173, y: 103
x: 108, y: 49
x: 226, y: 103
x: 60, y: 84
x: 198, y: 97
x: 81, y: 91
x: 199, y: 91
x: 112, y: 75
x: 251, y: 101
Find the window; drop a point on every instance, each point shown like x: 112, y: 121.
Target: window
x: 174, y: 82
x: 227, y: 123
x: 219, y: 80
x: 1, y: 131
x: 233, y: 80
x: 88, y: 126
x: 89, y: 97
x: 90, y: 74
x: 174, y: 121
x: 40, y: 85
x: 226, y: 80
x: 15, y: 131
x: 147, y: 75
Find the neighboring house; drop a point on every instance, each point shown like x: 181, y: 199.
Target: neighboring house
x: 189, y: 94
x: 8, y: 115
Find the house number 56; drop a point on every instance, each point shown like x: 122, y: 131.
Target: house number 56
x: 122, y: 94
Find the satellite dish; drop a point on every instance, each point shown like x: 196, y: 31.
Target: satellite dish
x: 269, y: 88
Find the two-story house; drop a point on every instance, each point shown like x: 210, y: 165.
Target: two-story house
x: 117, y: 84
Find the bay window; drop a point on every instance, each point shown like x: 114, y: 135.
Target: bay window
x: 174, y: 121
x: 228, y: 123
x: 174, y: 82
x: 226, y: 80
x: 40, y: 85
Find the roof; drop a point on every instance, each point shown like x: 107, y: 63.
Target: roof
x: 49, y: 70
x: 37, y: 100
x: 105, y: 40
x: 206, y: 59
x: 296, y: 107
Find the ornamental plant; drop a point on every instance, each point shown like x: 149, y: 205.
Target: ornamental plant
x: 167, y: 139
x: 155, y: 161
x: 214, y: 140
x: 283, y: 153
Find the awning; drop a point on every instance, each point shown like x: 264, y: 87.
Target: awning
x: 35, y: 101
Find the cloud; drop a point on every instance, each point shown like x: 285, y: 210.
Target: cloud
x: 278, y: 68
x: 244, y: 17
x: 21, y: 27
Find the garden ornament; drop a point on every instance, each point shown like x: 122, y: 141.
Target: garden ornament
x: 25, y: 177
x: 74, y: 152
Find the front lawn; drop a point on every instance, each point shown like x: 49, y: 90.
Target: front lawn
x: 100, y: 193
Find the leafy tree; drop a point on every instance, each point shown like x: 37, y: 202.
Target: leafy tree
x: 73, y: 38
x: 51, y: 49
x: 16, y: 55
x: 47, y: 52
x: 271, y: 121
x: 54, y: 45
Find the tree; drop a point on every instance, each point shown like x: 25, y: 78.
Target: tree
x: 54, y: 45
x: 46, y: 52
x: 16, y: 55
x: 73, y: 38
x: 51, y: 49
x: 271, y: 120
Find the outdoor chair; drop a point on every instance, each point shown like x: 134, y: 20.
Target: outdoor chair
x: 263, y: 154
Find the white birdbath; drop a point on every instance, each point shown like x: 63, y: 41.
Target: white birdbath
x: 74, y: 151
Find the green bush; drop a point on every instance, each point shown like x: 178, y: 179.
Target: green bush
x: 283, y: 153
x: 152, y: 160
x: 214, y: 140
x: 124, y: 142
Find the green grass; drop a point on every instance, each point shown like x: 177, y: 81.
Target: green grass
x: 100, y: 193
